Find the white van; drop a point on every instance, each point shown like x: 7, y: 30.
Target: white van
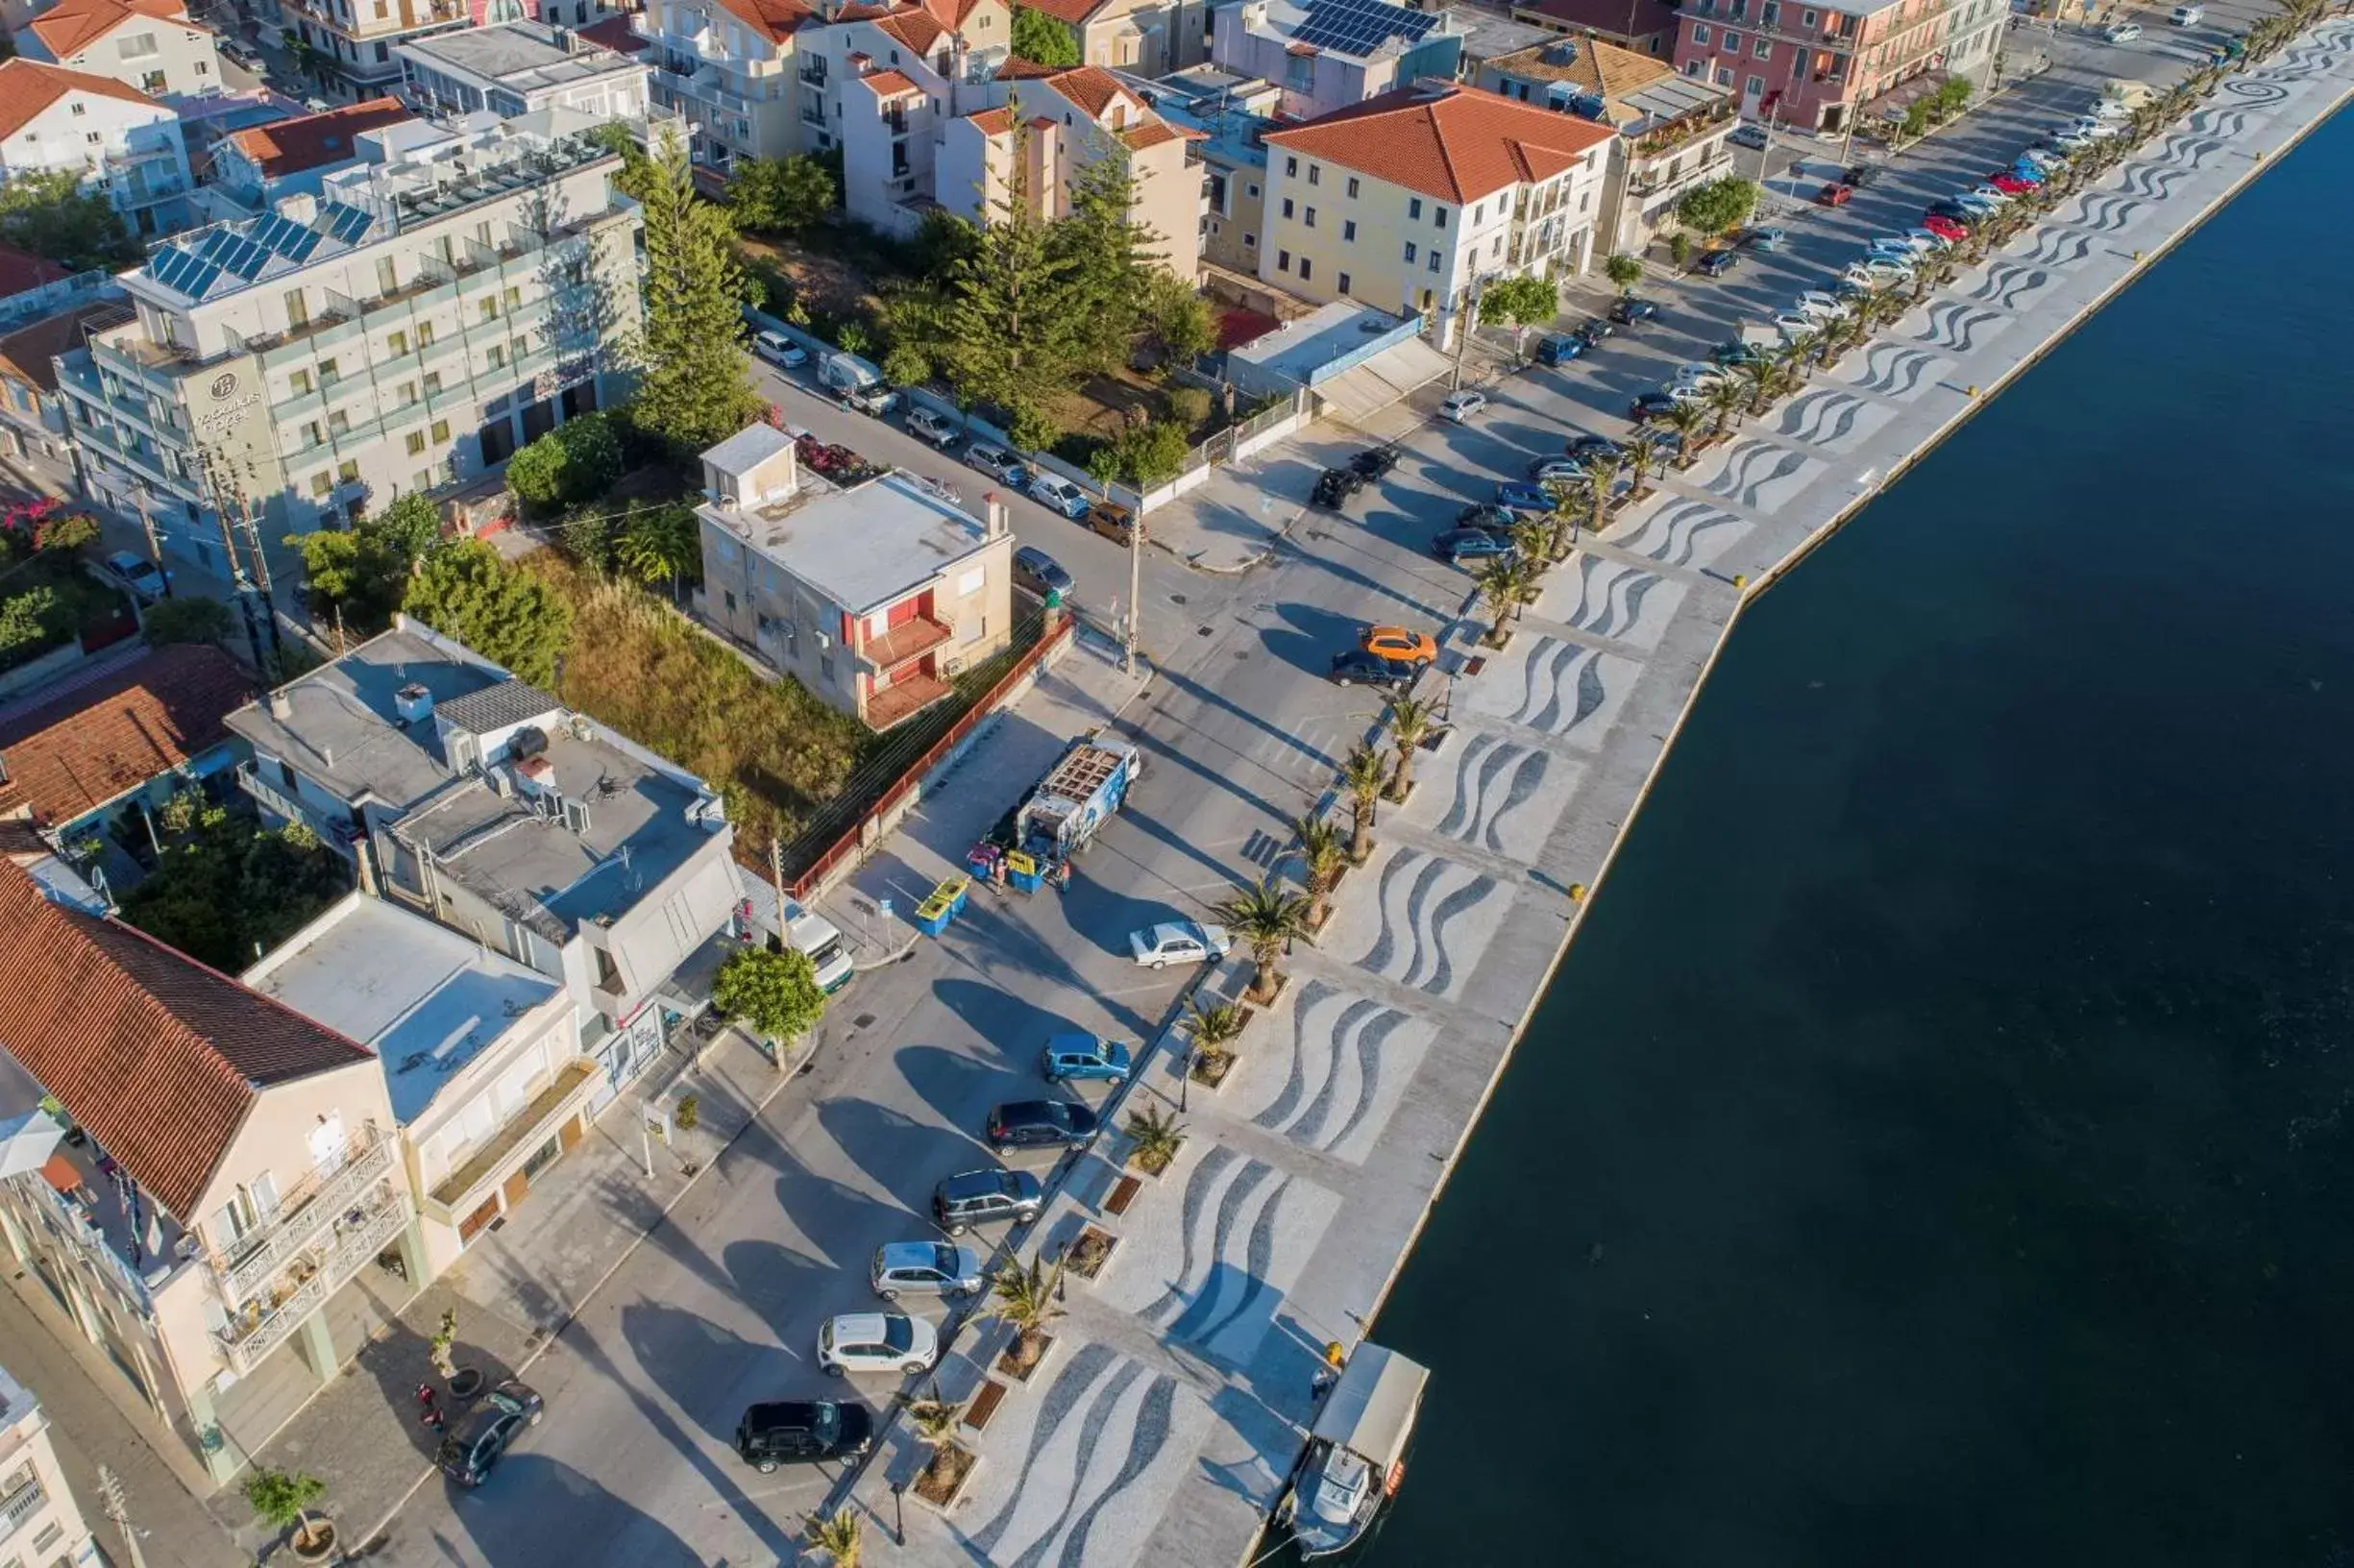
x: 2186, y: 15
x: 814, y: 936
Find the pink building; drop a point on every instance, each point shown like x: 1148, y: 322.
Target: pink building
x: 1818, y: 66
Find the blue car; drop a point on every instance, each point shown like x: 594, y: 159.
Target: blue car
x: 1469, y: 546
x: 1560, y: 349
x: 1523, y: 497
x: 1075, y: 1058
x: 2026, y: 169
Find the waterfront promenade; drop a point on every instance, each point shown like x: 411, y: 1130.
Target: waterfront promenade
x: 1158, y: 1428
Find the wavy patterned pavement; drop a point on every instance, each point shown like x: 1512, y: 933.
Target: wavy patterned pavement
x: 1893, y: 371
x: 1761, y: 476
x: 1565, y: 689
x: 1331, y: 1078
x: 1830, y: 419
x: 1679, y: 533
x: 1498, y: 795
x: 1432, y: 919
x: 1611, y: 598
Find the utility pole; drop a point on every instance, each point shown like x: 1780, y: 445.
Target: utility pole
x: 777, y: 875
x: 119, y: 1508
x: 262, y: 573
x: 155, y: 547
x: 236, y: 570
x: 1136, y: 583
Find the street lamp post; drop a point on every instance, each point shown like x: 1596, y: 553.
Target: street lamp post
x: 898, y: 1512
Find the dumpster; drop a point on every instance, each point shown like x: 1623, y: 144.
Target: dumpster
x: 945, y: 902
x: 1021, y: 870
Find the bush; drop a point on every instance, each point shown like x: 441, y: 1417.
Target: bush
x: 1154, y: 453
x: 1031, y: 429
x: 508, y: 615
x: 187, y: 619
x: 1680, y: 247
x: 1624, y: 271
x: 1717, y: 206
x: 775, y: 993
x: 574, y: 462
x: 31, y: 622
x: 1190, y: 407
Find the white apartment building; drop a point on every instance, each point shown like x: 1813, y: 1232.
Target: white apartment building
x: 39, y: 1522
x: 452, y: 296
x: 119, y: 139
x: 359, y: 36
x: 1326, y: 56
x: 1409, y: 200
x: 520, y: 68
x: 152, y: 46
x: 729, y: 66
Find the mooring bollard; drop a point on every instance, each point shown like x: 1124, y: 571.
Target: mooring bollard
x: 1577, y: 892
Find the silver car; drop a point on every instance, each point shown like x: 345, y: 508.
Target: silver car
x: 925, y: 1268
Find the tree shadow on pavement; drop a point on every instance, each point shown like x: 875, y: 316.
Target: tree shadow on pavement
x: 904, y: 1156
x: 707, y: 1371
x: 576, y: 1521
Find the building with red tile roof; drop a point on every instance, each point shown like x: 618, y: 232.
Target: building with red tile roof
x: 147, y: 44
x: 92, y: 124
x: 1648, y: 27
x: 153, y: 723
x: 312, y: 141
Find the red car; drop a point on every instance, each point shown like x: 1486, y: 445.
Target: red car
x: 1944, y: 228
x: 2010, y: 185
x: 1834, y: 194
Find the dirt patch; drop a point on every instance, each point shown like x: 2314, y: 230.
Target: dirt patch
x: 1022, y: 1357
x: 825, y: 284
x: 1090, y: 1252
x: 945, y: 1477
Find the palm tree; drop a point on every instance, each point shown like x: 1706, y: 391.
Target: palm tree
x: 1409, y: 722
x: 1778, y: 381
x: 662, y: 544
x: 1267, y: 916
x: 1641, y: 452
x: 1506, y: 584
x: 1323, y: 857
x: 1024, y: 1300
x: 1569, y: 500
x: 1801, y: 351
x: 1533, y: 536
x: 840, y: 1535
x: 1363, y: 774
x: 935, y: 1421
x: 1687, y: 420
x: 1601, y: 477
x: 1213, y: 1029
x: 1154, y: 1136
x: 1728, y: 399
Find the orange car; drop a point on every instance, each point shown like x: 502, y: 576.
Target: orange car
x: 1398, y: 643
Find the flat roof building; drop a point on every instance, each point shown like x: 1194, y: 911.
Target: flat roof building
x: 35, y: 1504
x: 520, y: 67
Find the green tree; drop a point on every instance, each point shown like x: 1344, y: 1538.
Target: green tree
x: 536, y: 474
x: 1520, y: 302
x: 1916, y: 122
x: 1363, y: 774
x: 1178, y: 318
x: 48, y: 212
x: 1411, y: 722
x: 1111, y: 259
x: 360, y: 572
x: 186, y: 619
x: 1153, y: 453
x: 1952, y: 95
x: 1265, y: 915
x: 1624, y: 272
x: 1012, y: 335
x: 942, y: 239
x: 576, y: 461
x: 409, y: 526
x: 1024, y: 1300
x: 1716, y: 207
x: 637, y: 174
x: 226, y: 888
x: 1323, y: 857
x: 663, y: 544
x: 281, y: 1500
x: 776, y: 992
x: 67, y: 531
x: 1042, y: 38
x: 31, y: 621
x: 695, y: 387
x: 504, y: 613
x: 1154, y: 1137
x: 841, y: 1535
x: 782, y: 195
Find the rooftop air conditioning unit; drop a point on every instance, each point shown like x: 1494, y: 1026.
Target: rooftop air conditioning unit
x: 413, y: 702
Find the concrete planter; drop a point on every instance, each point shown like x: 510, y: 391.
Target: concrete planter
x: 942, y: 1481
x: 1092, y: 1253
x: 318, y: 1547
x: 1010, y: 1364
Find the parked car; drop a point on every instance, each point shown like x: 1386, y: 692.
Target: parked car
x: 1592, y: 331
x: 1931, y: 240
x: 2123, y: 33
x: 1559, y: 348
x: 1653, y: 405
x: 1820, y: 305
x: 243, y: 52
x: 1763, y: 237
x: 1557, y: 471
x: 1698, y: 376
x: 1950, y: 211
x: 999, y: 464
x: 1860, y: 175
x: 1398, y: 643
x: 1039, y: 1124
x: 1523, y: 497
x: 1989, y: 193
x: 1081, y: 1057
x: 1040, y: 573
x: 1335, y: 485
x: 1374, y: 463
x: 1178, y: 942
x: 1631, y: 311
x: 1485, y: 514
x: 1717, y: 263
x: 925, y: 1268
x: 1752, y: 137
x: 876, y: 1342
x: 1358, y: 668
x: 1945, y: 229
x: 1113, y: 523
x: 1834, y: 194
x: 138, y: 573
x: 1733, y: 354
x: 474, y: 1444
x: 1594, y: 445
x: 2028, y: 170
x: 1461, y: 405
x: 2010, y: 185
x: 927, y: 425
x: 802, y: 1431
x: 1469, y: 547
x: 780, y: 349
x: 1903, y: 244
x: 985, y: 1197
x: 2186, y: 15
x: 1058, y: 494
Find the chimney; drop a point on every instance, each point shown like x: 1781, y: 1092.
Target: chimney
x: 998, y: 527
x: 282, y: 707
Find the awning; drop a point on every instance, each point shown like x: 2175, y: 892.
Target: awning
x: 29, y: 1139
x: 1362, y: 391
x: 1371, y: 1410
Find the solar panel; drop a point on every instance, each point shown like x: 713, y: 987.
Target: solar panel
x: 243, y: 256
x: 1359, y: 27
x: 177, y: 269
x: 286, y: 238
x: 343, y: 223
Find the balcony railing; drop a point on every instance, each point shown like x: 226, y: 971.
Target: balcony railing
x: 904, y: 642
x: 302, y: 1216
x: 21, y: 1505
x: 260, y: 1330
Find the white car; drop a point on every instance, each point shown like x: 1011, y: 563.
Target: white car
x: 2092, y: 125
x: 1914, y: 243
x: 138, y: 573
x: 1817, y: 305
x: 1059, y: 493
x: 780, y: 349
x: 1461, y: 405
x: 1698, y: 377
x: 2125, y: 33
x: 1931, y: 240
x: 1178, y: 942
x: 1796, y: 327
x: 877, y: 1342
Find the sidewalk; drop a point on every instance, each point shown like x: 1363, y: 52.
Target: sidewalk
x: 516, y: 1287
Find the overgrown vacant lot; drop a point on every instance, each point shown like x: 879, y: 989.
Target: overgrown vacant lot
x: 776, y: 752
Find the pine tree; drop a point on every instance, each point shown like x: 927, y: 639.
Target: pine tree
x: 1110, y: 255
x: 695, y: 388
x: 1016, y: 333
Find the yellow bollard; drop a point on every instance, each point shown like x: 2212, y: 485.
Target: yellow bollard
x: 1577, y: 892
x: 1971, y: 391
x: 1740, y: 579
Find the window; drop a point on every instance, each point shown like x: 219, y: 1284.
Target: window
x: 396, y: 344
x: 1287, y: 206
x: 408, y: 392
x: 1344, y: 282
x: 1311, y: 217
x: 79, y: 107
x: 490, y: 308
x: 311, y: 435
x: 441, y: 432
x: 1771, y: 14
x: 1283, y: 260
x: 136, y: 46
x: 432, y: 383
x: 1292, y: 167
x: 1413, y: 207
x: 322, y: 483
x: 1410, y: 252
x: 1253, y: 190
x: 387, y: 275
x: 421, y: 481
x: 1352, y: 186
x: 346, y: 471
x: 1757, y: 86
x: 517, y: 347
x: 1723, y: 76
x: 338, y: 423
x: 1250, y: 241
x: 1305, y: 267
x: 1315, y: 173
x: 1763, y: 49
x: 50, y: 1533
x: 301, y: 381
x: 1348, y: 229
x: 498, y: 357
x: 1732, y: 41
x: 330, y: 373
x: 1693, y: 68
x: 1436, y: 259
x: 1807, y: 18
x: 415, y: 443
x: 298, y: 309
x: 425, y: 334
x: 1439, y: 217
x: 514, y: 298
x: 1477, y: 210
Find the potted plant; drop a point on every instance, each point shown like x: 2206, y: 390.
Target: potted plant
x: 1024, y: 1298
x: 281, y: 1499
x: 1214, y: 1029
x: 1090, y: 1252
x: 688, y: 1115
x: 942, y: 1477
x: 1154, y: 1137
x: 838, y: 1534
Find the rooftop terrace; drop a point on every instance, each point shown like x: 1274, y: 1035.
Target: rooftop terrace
x: 862, y: 548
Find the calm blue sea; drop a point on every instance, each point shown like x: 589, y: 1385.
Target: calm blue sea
x: 1938, y: 1148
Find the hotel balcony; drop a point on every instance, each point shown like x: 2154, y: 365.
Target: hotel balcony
x: 460, y: 1192
x: 303, y: 1218
x: 901, y: 643
x: 904, y: 698
x: 19, y: 1506
x: 1663, y: 179
x: 261, y: 1327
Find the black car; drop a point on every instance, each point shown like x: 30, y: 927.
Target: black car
x: 1717, y: 263
x: 1592, y: 331
x: 1861, y: 175
x: 1653, y: 405
x: 1374, y: 462
x: 1335, y: 485
x: 1040, y: 1124
x: 1486, y: 515
x: 985, y: 1197
x: 1953, y: 212
x: 1630, y: 310
x: 1596, y: 446
x: 475, y: 1443
x: 1358, y: 668
x: 801, y: 1431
